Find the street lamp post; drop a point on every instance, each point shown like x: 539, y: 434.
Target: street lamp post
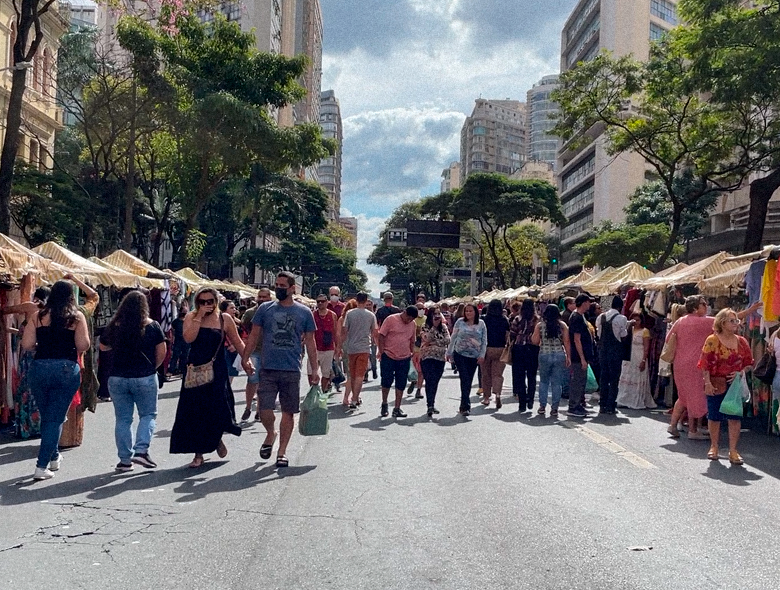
x: 22, y: 65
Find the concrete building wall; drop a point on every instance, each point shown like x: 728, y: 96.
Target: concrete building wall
x: 329, y: 169
x: 541, y: 145
x: 351, y: 225
x: 593, y: 185
x: 493, y: 138
x: 451, y: 177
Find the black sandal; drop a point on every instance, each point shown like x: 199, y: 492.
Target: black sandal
x: 282, y: 461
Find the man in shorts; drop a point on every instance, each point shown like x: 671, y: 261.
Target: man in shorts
x: 283, y: 326
x: 396, y: 346
x: 359, y: 328
x: 263, y: 296
x: 326, y: 338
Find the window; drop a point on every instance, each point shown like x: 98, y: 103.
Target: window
x: 664, y: 10
x: 577, y: 227
x: 579, y: 201
x: 34, y: 152
x: 12, y: 43
x: 656, y: 32
x: 479, y: 131
x: 579, y: 173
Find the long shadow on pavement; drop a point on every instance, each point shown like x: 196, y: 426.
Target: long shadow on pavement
x: 734, y: 475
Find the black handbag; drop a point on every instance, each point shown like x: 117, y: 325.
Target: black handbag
x: 766, y: 367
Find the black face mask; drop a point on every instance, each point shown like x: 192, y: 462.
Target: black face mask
x: 281, y: 293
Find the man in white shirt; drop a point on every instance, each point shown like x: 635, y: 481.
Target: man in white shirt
x: 611, y: 327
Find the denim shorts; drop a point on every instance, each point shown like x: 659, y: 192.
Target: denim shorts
x: 394, y: 370
x: 713, y: 409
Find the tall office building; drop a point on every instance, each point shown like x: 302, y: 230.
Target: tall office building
x: 264, y: 17
x: 593, y: 185
x: 351, y: 225
x: 542, y: 146
x: 450, y: 177
x: 329, y: 169
x: 493, y: 138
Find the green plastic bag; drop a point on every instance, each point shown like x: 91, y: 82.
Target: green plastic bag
x: 313, y: 420
x: 412, y: 376
x: 591, y: 385
x: 732, y: 403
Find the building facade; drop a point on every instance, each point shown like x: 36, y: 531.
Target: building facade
x: 593, y: 185
x: 542, y: 145
x: 351, y: 225
x: 329, y: 169
x: 493, y: 138
x: 450, y: 177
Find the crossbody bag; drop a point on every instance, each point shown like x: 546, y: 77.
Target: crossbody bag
x: 198, y: 375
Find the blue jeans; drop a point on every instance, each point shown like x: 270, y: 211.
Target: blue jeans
x: 127, y: 394
x: 552, y: 371
x: 53, y: 383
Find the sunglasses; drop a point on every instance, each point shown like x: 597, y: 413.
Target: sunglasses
x: 735, y: 321
x: 437, y: 317
x: 322, y: 301
x: 205, y: 302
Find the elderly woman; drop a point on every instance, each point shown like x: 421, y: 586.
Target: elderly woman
x: 724, y: 354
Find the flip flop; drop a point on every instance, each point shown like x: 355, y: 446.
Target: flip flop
x: 282, y: 461
x: 266, y: 449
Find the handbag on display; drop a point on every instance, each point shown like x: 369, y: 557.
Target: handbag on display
x: 766, y: 367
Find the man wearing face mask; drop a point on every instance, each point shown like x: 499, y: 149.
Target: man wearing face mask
x: 335, y: 304
x: 283, y: 326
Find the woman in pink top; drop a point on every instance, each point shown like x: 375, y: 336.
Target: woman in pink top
x: 691, y: 332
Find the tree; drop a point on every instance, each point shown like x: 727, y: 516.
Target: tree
x: 617, y: 245
x: 498, y: 203
x: 28, y: 17
x: 731, y: 51
x: 517, y: 251
x: 651, y: 109
x: 213, y: 90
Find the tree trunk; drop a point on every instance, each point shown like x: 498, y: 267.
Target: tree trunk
x: 673, y: 236
x: 127, y: 233
x: 13, y: 122
x: 761, y: 191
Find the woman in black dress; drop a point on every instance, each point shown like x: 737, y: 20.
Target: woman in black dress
x: 206, y: 412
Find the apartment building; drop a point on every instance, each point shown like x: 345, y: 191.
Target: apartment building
x: 351, y: 225
x: 594, y: 186
x: 542, y: 146
x: 329, y: 169
x: 450, y: 177
x: 493, y: 138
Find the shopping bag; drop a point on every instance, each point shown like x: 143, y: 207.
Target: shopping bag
x: 669, y: 349
x: 745, y: 388
x: 506, y: 355
x: 766, y: 367
x: 237, y: 364
x: 338, y: 374
x: 591, y: 385
x: 313, y: 419
x: 732, y: 403
x: 412, y: 377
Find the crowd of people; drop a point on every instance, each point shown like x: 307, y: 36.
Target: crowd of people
x: 566, y: 348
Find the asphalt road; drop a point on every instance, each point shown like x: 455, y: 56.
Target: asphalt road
x: 498, y: 500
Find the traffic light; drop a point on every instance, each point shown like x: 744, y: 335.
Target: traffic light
x: 554, y: 261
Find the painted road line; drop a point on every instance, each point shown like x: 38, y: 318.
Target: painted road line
x: 610, y: 445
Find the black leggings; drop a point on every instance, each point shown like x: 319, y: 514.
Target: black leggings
x: 467, y: 366
x: 432, y: 371
x: 525, y: 365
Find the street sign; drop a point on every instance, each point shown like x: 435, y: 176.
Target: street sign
x: 396, y: 237
x: 432, y: 234
x: 552, y: 278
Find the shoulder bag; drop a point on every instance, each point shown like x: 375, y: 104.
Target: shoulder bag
x: 198, y: 375
x: 506, y: 354
x: 766, y: 367
x: 669, y: 349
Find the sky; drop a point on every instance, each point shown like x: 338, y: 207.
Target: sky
x: 406, y: 74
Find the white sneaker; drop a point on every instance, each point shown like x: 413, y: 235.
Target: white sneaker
x: 54, y: 465
x: 42, y: 473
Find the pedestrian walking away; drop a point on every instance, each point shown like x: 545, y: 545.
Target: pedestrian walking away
x: 612, y: 328
x: 284, y: 326
x: 493, y: 368
x: 357, y: 333
x: 433, y: 352
x: 395, y: 348
x: 138, y: 343
x: 58, y: 334
x: 206, y: 408
x: 551, y: 335
x: 467, y: 349
x: 525, y: 356
x: 581, y: 355
x: 253, y: 380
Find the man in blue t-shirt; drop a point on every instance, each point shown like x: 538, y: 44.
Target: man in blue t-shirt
x: 283, y: 326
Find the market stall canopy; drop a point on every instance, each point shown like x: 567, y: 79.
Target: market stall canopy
x: 129, y: 263
x: 671, y: 270
x: 193, y: 279
x: 145, y: 282
x: 96, y: 275
x: 613, y: 279
x: 725, y: 283
x: 606, y: 272
x: 564, y: 284
x: 693, y: 274
x: 16, y: 261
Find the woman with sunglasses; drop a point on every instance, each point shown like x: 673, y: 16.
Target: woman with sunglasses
x: 435, y: 338
x: 725, y: 353
x: 207, y: 411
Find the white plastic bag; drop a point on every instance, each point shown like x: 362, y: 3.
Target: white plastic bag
x: 237, y: 365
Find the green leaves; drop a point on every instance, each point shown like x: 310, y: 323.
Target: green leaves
x: 616, y: 245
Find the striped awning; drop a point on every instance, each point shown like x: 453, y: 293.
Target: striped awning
x: 95, y: 274
x: 132, y: 264
x: 16, y: 261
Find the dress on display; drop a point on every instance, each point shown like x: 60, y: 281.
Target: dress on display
x: 205, y: 413
x: 634, y: 386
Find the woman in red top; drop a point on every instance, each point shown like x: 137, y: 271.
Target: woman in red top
x: 723, y: 356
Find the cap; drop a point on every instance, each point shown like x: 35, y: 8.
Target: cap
x: 582, y: 298
x: 387, y: 295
